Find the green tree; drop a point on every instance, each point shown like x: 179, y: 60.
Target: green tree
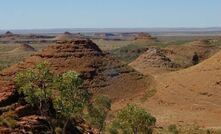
x: 134, y: 120
x: 98, y: 111
x: 69, y: 99
x: 36, y: 84
x: 72, y: 99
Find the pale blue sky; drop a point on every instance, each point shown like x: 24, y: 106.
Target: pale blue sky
x: 28, y: 14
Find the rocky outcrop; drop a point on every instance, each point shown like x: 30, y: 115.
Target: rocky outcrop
x: 154, y: 58
x: 98, y: 70
x: 101, y: 74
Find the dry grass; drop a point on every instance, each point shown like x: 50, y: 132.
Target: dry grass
x: 111, y: 45
x: 8, y: 58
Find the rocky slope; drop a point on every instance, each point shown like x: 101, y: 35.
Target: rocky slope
x: 153, y: 61
x: 183, y: 54
x: 186, y: 97
x: 23, y: 48
x: 101, y: 74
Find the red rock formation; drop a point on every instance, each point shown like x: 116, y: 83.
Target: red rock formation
x: 100, y: 72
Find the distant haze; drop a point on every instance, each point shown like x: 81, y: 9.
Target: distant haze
x: 216, y: 31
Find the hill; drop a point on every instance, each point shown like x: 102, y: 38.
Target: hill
x: 186, y: 97
x: 23, y: 48
x: 101, y: 74
x: 153, y: 61
x: 183, y: 54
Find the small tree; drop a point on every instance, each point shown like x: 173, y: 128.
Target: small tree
x: 134, y: 120
x: 72, y: 99
x: 195, y: 59
x: 36, y: 84
x: 98, y: 111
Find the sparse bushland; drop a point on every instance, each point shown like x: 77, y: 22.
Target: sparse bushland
x: 64, y: 94
x: 73, y: 104
x: 133, y: 120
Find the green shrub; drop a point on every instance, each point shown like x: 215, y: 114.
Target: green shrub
x: 72, y: 99
x: 36, y: 84
x: 133, y: 120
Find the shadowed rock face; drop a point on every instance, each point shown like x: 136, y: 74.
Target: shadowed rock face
x: 100, y: 72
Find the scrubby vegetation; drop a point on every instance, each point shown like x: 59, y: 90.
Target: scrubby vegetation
x: 64, y: 94
x: 133, y: 120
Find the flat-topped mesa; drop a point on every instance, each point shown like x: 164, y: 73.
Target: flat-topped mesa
x: 66, y: 36
x: 145, y: 36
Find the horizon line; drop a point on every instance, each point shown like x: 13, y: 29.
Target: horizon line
x: 60, y: 28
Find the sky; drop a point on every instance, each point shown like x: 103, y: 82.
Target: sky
x: 46, y: 14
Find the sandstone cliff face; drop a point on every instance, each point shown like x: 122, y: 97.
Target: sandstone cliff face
x: 100, y: 72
